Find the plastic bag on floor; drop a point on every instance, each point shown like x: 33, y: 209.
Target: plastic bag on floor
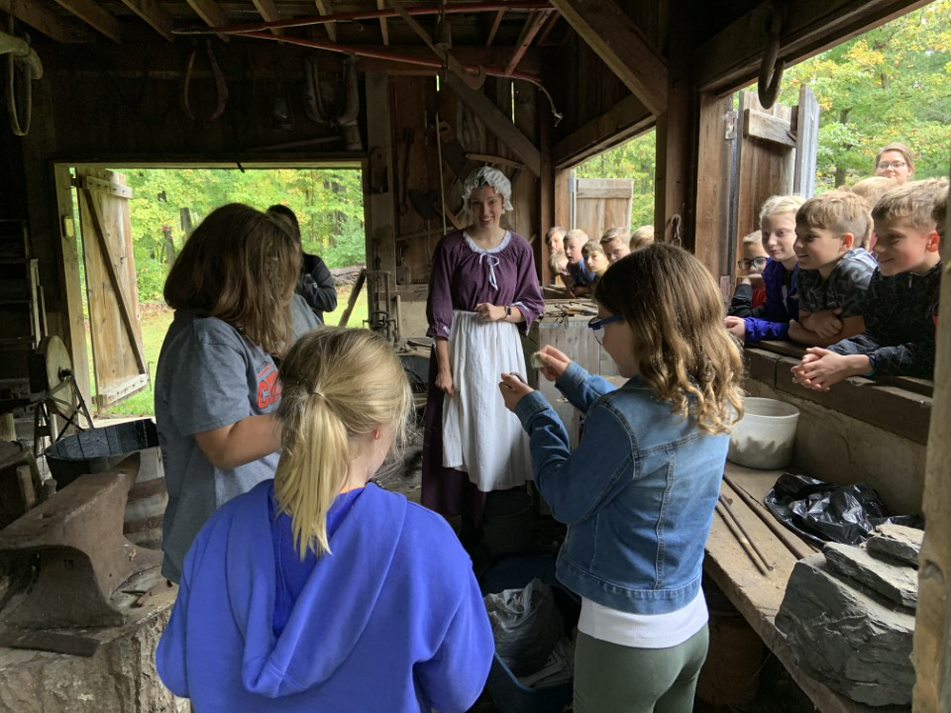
x: 526, y: 624
x: 827, y: 512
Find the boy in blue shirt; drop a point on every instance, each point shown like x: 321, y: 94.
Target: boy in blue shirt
x: 834, y: 268
x: 901, y: 311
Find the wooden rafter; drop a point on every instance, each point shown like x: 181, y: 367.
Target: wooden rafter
x: 154, y: 14
x: 622, y: 46
x: 497, y: 122
x: 323, y: 9
x: 384, y: 25
x: 41, y: 18
x: 529, y: 32
x: 268, y: 11
x: 495, y: 27
x: 210, y: 12
x: 94, y: 16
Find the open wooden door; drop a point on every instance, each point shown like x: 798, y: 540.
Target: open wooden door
x: 119, y: 363
x: 747, y: 155
x: 602, y: 203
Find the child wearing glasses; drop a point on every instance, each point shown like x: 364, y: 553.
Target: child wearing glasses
x: 749, y: 270
x: 834, y: 268
x: 777, y: 219
x: 638, y: 494
x: 901, y: 306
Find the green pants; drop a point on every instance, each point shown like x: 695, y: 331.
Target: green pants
x: 619, y: 679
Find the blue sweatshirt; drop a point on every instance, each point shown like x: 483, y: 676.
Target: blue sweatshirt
x: 392, y: 621
x: 771, y: 321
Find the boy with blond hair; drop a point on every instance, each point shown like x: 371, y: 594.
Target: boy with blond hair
x: 614, y: 243
x: 901, y: 307
x: 834, y: 268
x: 580, y: 277
x: 642, y: 237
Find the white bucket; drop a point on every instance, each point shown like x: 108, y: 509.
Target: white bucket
x: 764, y: 437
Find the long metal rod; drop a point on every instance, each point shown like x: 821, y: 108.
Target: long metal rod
x: 733, y: 522
x: 462, y: 9
x: 433, y: 63
x: 799, y: 548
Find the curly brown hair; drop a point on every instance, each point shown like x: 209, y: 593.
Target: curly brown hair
x: 675, y: 310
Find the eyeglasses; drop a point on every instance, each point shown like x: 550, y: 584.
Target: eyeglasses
x: 598, y: 325
x: 757, y: 262
x: 885, y: 165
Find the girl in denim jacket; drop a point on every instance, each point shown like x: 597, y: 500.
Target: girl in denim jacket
x: 638, y: 494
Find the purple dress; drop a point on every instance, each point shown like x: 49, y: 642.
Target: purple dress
x: 464, y: 275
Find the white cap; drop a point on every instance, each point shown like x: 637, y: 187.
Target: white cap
x: 492, y: 177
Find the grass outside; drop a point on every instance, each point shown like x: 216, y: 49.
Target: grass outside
x: 155, y: 321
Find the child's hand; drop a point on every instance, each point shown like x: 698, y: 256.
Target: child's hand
x: 826, y: 323
x: 555, y: 361
x: 821, y: 369
x: 737, y: 327
x: 513, y: 390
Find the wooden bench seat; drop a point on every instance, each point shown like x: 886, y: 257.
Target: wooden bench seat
x: 758, y: 596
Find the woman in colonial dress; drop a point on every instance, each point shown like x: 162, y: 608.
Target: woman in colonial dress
x: 483, y: 292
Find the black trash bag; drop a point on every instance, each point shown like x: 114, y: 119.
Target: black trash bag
x: 826, y: 512
x: 526, y: 625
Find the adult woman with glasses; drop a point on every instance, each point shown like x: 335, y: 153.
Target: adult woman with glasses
x: 482, y: 292
x: 895, y: 161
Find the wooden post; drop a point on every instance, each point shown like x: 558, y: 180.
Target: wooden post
x: 932, y: 657
x: 713, y: 179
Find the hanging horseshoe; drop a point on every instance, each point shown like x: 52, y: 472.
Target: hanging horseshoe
x: 771, y: 69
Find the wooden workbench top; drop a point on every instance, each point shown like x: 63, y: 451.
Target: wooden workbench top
x: 758, y: 596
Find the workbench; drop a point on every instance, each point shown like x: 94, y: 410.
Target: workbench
x: 758, y: 596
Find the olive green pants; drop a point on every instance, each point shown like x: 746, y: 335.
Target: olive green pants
x: 619, y: 679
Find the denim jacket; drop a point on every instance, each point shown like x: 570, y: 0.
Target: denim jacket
x: 637, y: 494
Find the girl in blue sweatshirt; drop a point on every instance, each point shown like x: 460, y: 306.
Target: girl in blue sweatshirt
x: 318, y: 591
x: 638, y: 494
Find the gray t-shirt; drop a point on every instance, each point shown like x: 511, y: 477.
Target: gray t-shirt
x: 844, y: 289
x: 304, y: 317
x: 208, y: 376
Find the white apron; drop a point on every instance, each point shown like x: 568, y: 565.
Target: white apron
x: 479, y: 435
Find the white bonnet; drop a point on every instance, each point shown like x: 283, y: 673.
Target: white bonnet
x: 492, y: 177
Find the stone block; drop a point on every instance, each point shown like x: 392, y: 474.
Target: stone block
x: 895, y: 582
x: 846, y: 639
x: 897, y: 542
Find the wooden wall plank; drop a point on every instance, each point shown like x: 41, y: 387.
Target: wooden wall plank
x: 156, y: 16
x: 40, y: 17
x: 621, y: 122
x: 767, y: 127
x: 714, y: 166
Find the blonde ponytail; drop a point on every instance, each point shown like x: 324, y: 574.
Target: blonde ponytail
x: 339, y: 385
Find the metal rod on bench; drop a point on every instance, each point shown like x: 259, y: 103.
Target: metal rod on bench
x: 793, y: 544
x: 729, y: 517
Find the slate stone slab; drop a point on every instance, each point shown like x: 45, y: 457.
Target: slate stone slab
x: 845, y: 638
x: 898, y: 583
x: 897, y: 542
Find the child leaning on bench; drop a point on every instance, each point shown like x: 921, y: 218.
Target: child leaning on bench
x: 901, y: 306
x: 777, y: 220
x: 834, y: 268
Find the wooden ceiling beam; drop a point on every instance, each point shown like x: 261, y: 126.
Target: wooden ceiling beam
x: 532, y: 27
x: 497, y: 122
x: 267, y: 10
x: 384, y: 24
x: 322, y: 8
x: 153, y: 14
x: 621, y: 45
x: 42, y: 19
x: 210, y: 12
x: 495, y: 27
x: 732, y: 57
x: 94, y: 16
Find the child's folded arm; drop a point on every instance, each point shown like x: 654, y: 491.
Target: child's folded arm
x: 759, y: 329
x: 581, y: 388
x: 576, y: 483
x: 907, y: 359
x: 742, y: 303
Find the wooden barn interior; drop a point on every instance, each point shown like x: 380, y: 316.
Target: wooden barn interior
x: 416, y: 94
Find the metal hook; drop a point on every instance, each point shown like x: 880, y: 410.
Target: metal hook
x: 771, y: 69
